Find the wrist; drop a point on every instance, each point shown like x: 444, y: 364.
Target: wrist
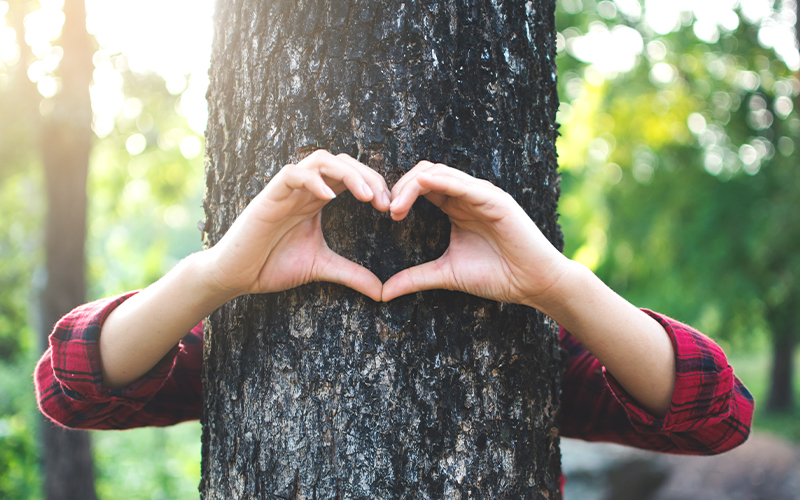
x: 203, y: 267
x: 573, y: 279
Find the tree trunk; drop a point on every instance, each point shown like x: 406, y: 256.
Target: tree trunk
x: 784, y: 344
x: 781, y: 388
x: 319, y: 392
x: 65, y: 144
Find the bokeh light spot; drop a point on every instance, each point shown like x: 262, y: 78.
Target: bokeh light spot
x: 191, y: 147
x: 136, y: 144
x: 132, y: 108
x: 786, y: 146
x: 47, y: 86
x: 696, y: 123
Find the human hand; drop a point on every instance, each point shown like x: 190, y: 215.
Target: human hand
x: 496, y: 251
x: 277, y: 243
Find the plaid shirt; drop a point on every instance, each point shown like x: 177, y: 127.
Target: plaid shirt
x: 711, y: 410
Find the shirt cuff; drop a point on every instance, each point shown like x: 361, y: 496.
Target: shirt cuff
x: 703, y: 385
x: 75, y: 347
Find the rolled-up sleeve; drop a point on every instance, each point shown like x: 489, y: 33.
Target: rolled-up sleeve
x: 711, y: 410
x: 69, y: 379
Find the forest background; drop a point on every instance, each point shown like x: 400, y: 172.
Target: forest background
x: 678, y: 157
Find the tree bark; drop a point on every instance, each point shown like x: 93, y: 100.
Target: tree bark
x: 65, y: 145
x: 319, y: 392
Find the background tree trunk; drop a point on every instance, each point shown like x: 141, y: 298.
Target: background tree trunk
x: 65, y: 145
x: 784, y: 344
x: 320, y: 392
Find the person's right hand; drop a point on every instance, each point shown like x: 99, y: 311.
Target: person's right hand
x: 496, y: 251
x: 277, y: 243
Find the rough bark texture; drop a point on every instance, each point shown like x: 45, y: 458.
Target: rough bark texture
x: 66, y: 143
x: 320, y: 392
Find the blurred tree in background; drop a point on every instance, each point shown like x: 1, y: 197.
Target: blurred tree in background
x: 145, y: 187
x: 678, y: 156
x: 64, y: 138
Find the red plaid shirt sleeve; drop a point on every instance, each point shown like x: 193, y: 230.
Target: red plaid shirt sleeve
x: 69, y: 383
x: 711, y: 410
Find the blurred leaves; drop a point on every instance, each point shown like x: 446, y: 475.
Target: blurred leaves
x: 19, y: 433
x: 145, y: 203
x: 149, y: 464
x: 692, y: 149
x: 20, y: 252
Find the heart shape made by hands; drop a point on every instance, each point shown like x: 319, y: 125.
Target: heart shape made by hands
x: 491, y: 249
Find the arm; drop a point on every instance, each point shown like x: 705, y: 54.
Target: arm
x: 711, y: 410
x: 128, y: 361
x: 497, y: 252
x: 69, y: 384
x: 275, y: 244
x: 630, y: 344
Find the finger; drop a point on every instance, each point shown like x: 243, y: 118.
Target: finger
x: 334, y: 268
x: 406, y: 194
x: 293, y: 178
x: 376, y: 182
x: 440, y: 184
x: 472, y: 190
x: 340, y: 172
x: 427, y: 276
x: 406, y: 191
x: 426, y: 166
x: 409, y: 177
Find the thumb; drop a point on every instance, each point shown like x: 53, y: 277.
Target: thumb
x: 428, y: 276
x: 334, y: 268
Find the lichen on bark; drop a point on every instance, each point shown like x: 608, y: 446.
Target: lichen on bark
x: 318, y: 392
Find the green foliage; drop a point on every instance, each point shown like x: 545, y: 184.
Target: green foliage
x: 149, y: 463
x: 698, y: 170
x: 19, y: 429
x: 20, y: 253
x: 144, y: 207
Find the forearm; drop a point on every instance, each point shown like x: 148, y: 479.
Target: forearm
x: 138, y: 333
x: 628, y: 342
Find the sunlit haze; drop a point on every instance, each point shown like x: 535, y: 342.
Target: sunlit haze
x: 173, y: 38
x: 169, y: 37
x: 615, y: 50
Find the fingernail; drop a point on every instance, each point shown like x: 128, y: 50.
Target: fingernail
x: 386, y: 198
x: 330, y: 192
x: 367, y: 190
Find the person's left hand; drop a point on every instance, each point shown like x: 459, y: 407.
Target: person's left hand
x: 277, y: 242
x: 496, y: 251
